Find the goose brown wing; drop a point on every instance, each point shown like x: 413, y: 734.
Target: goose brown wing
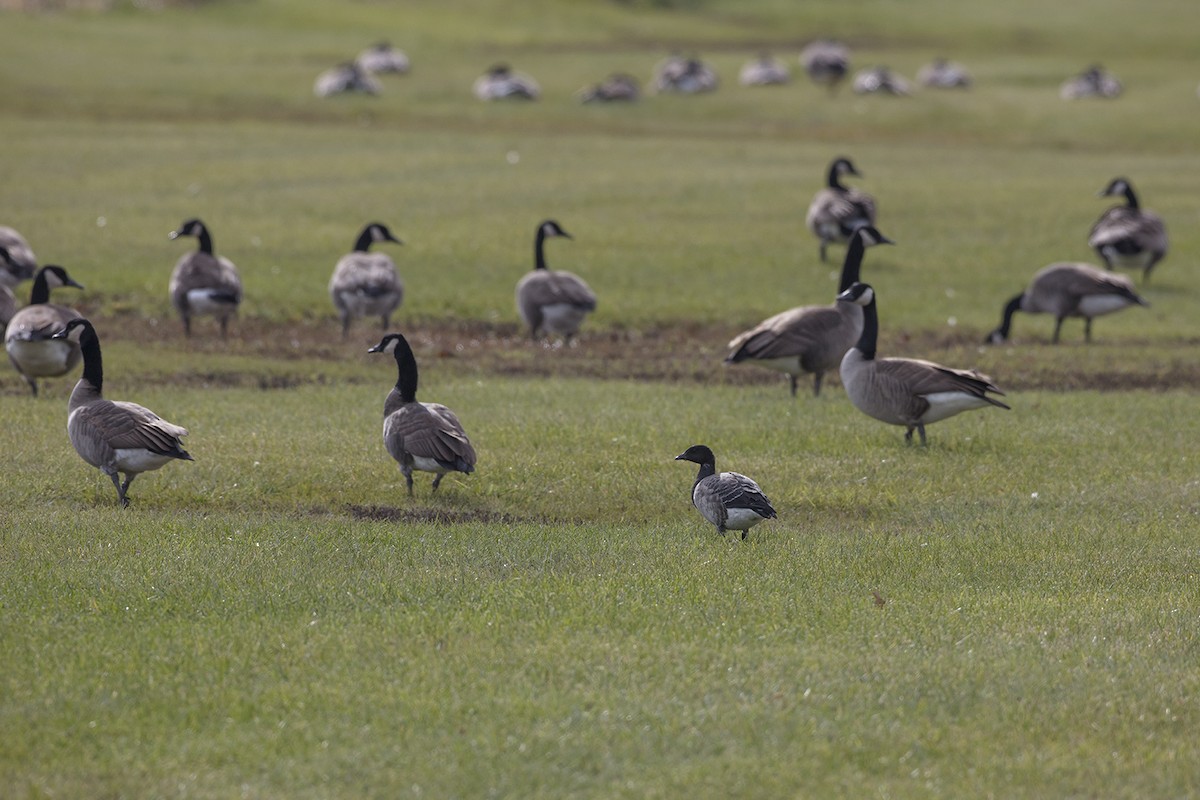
x: 1122, y: 223
x: 430, y: 430
x: 921, y: 378
x: 128, y: 426
x: 197, y: 270
x: 372, y: 274
x: 566, y: 287
x: 786, y: 334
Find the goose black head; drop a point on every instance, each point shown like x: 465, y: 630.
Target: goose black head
x: 380, y: 233
x: 57, y: 277
x: 860, y: 294
x: 697, y: 454
x: 1116, y: 187
x: 191, y: 227
x: 76, y: 330
x: 389, y: 343
x: 843, y: 166
x: 551, y: 228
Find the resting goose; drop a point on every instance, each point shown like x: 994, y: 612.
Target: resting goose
x: 766, y: 70
x: 684, y: 76
x: 810, y: 339
x: 423, y: 436
x: 826, y: 62
x: 837, y: 210
x: 202, y: 282
x: 29, y: 336
x: 729, y: 500
x: 615, y: 88
x: 1128, y: 236
x: 944, y: 74
x: 552, y: 301
x: 383, y: 57
x: 366, y: 284
x: 1069, y: 290
x: 344, y: 78
x: 906, y: 391
x: 881, y: 80
x: 17, y: 263
x: 1092, y: 82
x: 115, y: 436
x: 500, y: 82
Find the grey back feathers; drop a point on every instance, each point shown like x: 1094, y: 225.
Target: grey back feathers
x: 729, y: 500
x: 422, y: 436
x: 684, y: 75
x: 346, y: 78
x: 943, y: 74
x: 881, y: 80
x: 366, y: 284
x: 1128, y: 235
x: 837, y: 210
x: 115, y: 437
x: 29, y: 335
x: 1095, y: 81
x: 552, y: 301
x: 501, y: 82
x: 766, y: 70
x: 1069, y: 289
x: 615, y: 88
x: 383, y: 57
x: 907, y: 391
x: 826, y: 62
x: 202, y: 282
x: 17, y: 262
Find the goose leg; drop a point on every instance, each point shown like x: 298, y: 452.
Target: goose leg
x: 187, y: 325
x: 224, y: 327
x: 816, y: 384
x: 345, y: 315
x: 921, y: 430
x: 386, y: 319
x: 1058, y: 321
x: 908, y: 435
x: 129, y: 476
x: 1087, y: 330
x: 408, y: 478
x: 823, y: 244
x: 792, y: 379
x: 32, y: 384
x: 438, y: 480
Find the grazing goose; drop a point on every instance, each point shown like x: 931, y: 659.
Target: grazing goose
x: 1069, y: 290
x: 615, y: 88
x: 1092, y: 82
x: 29, y: 336
x: 423, y: 436
x: 500, y: 82
x: 766, y: 70
x: 881, y: 80
x: 204, y: 283
x: 729, y: 500
x: 112, y: 435
x: 383, y: 57
x: 826, y: 62
x: 944, y: 74
x: 17, y: 262
x: 906, y: 391
x: 552, y: 301
x: 345, y: 78
x: 684, y: 76
x: 837, y: 211
x: 1128, y: 236
x: 810, y: 339
x: 366, y: 284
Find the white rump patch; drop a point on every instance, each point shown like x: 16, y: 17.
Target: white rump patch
x: 1096, y: 305
x: 562, y: 318
x: 742, y: 519
x: 205, y: 301
x: 947, y: 404
x: 136, y: 459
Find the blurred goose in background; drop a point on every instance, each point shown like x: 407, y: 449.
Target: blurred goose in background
x: 382, y: 58
x: 366, y: 284
x: 729, y: 500
x: 1128, y: 236
x: 422, y: 436
x: 345, y: 78
x: 944, y: 74
x: 501, y: 82
x: 881, y: 80
x: 115, y: 436
x: 766, y: 70
x: 837, y: 210
x: 810, y: 339
x: 826, y: 62
x: 8, y: 307
x: 615, y: 88
x: 1069, y: 290
x: 202, y: 282
x: 684, y: 76
x: 29, y: 335
x: 1092, y: 82
x: 906, y: 391
x: 552, y: 301
x: 17, y: 262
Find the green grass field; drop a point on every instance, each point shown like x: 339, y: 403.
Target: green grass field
x: 1009, y: 612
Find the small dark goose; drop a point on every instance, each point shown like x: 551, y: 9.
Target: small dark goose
x: 826, y: 62
x: 202, y: 282
x: 366, y: 284
x: 17, y: 263
x: 29, y: 335
x: 906, y: 391
x: 501, y: 82
x: 617, y: 87
x: 552, y: 301
x: 838, y: 210
x: 422, y: 436
x: 810, y: 339
x: 115, y: 436
x: 1128, y: 236
x: 1092, y: 82
x: 1069, y: 289
x: 729, y: 500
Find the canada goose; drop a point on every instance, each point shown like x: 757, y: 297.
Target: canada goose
x: 204, y: 283
x: 944, y: 74
x: 729, y: 500
x: 881, y: 80
x: 826, y: 62
x: 837, y: 211
x: 684, y: 76
x: 616, y: 87
x: 1069, y: 290
x: 423, y: 436
x: 500, y: 82
x: 766, y: 70
x: 810, y: 339
x: 383, y: 57
x: 552, y: 301
x: 29, y: 337
x: 8, y: 307
x: 114, y: 436
x: 17, y: 262
x: 344, y: 78
x: 1128, y: 236
x: 1092, y: 82
x: 366, y: 284
x: 906, y: 391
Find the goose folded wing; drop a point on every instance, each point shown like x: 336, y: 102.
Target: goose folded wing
x: 1114, y: 225
x: 567, y: 288
x: 128, y: 426
x: 738, y: 491
x: 436, y: 433
x: 787, y: 334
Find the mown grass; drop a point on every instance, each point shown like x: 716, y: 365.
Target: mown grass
x: 278, y: 619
